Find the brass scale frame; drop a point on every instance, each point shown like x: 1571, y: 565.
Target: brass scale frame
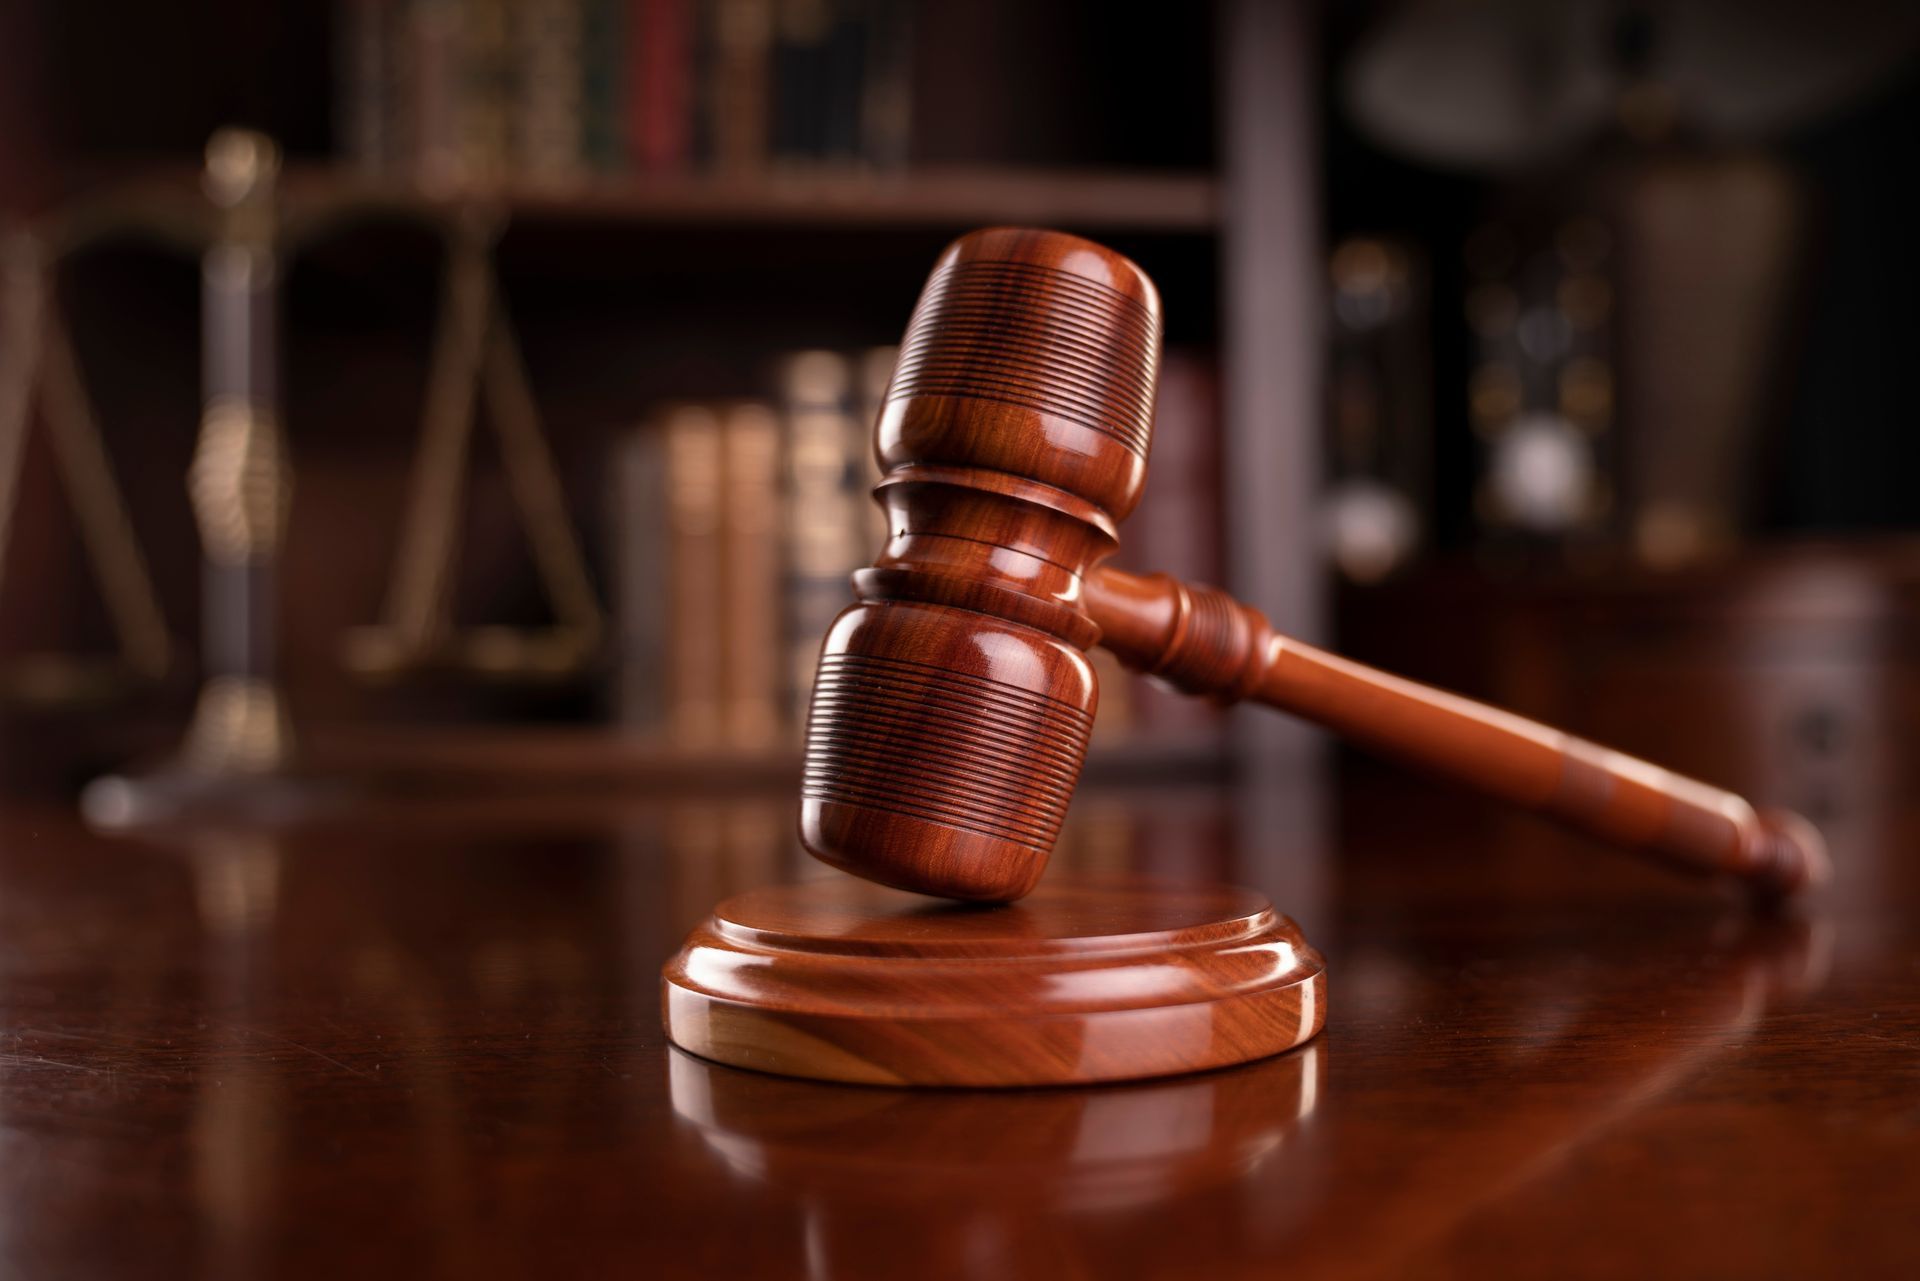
x: 245, y: 225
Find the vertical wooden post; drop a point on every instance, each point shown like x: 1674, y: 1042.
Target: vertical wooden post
x: 1271, y: 306
x: 1271, y: 296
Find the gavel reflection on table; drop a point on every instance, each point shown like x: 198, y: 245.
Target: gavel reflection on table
x: 953, y: 706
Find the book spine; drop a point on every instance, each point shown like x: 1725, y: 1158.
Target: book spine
x: 399, y: 94
x: 843, y: 58
x: 801, y: 30
x: 434, y: 39
x: 642, y: 566
x: 828, y: 515
x: 363, y: 115
x: 695, y: 617
x: 886, y: 106
x: 660, y: 97
x: 1177, y: 526
x: 603, y: 90
x: 739, y: 75
x: 486, y: 92
x: 750, y: 630
x: 547, y: 48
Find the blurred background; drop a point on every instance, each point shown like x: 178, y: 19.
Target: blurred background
x: 427, y: 390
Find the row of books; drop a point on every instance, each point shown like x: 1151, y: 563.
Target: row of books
x: 739, y: 524
x: 456, y: 92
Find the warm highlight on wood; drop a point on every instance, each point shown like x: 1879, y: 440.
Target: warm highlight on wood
x: 1203, y: 641
x: 954, y: 702
x: 1095, y: 980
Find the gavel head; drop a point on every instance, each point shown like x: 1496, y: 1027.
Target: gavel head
x: 953, y: 702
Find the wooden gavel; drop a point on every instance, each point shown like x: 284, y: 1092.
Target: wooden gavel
x: 953, y: 702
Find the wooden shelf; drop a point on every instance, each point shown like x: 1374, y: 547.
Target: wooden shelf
x: 315, y: 196
x: 1092, y: 199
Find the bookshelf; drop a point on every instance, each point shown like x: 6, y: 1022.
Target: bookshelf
x: 621, y: 283
x: 939, y: 198
x: 168, y: 207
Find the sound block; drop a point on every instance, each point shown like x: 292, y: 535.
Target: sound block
x: 1083, y: 980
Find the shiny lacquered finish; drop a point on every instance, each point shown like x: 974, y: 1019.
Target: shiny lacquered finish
x: 951, y: 738
x: 1203, y: 641
x: 425, y: 1041
x: 1035, y: 354
x: 952, y: 707
x: 1015, y: 436
x: 1086, y: 980
x: 943, y: 1162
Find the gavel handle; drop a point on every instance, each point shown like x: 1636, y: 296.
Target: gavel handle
x: 1201, y: 640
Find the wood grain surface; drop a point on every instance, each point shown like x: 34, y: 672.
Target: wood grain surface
x: 425, y: 1040
x: 953, y: 703
x: 1085, y: 980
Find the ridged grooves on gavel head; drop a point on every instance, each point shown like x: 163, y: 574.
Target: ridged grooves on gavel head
x: 1034, y: 353
x: 953, y: 705
x: 943, y: 746
x: 1004, y: 765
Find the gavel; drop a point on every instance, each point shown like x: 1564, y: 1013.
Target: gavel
x: 953, y: 701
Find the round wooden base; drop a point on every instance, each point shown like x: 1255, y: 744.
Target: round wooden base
x: 1083, y: 980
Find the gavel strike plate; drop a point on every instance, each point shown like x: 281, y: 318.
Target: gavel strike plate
x: 1084, y: 980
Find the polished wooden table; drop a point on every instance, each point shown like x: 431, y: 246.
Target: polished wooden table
x: 422, y: 1038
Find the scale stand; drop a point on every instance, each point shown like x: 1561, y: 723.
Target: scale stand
x: 38, y: 363
x: 476, y: 358
x: 239, y: 754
